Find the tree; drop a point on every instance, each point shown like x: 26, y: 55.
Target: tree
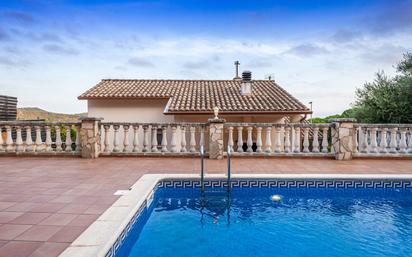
x: 386, y: 99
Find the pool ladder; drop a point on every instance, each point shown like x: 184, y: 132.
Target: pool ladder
x: 202, y: 166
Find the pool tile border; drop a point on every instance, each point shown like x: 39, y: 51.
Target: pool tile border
x: 105, y: 236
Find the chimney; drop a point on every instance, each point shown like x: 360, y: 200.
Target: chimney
x: 246, y: 88
x: 237, y: 78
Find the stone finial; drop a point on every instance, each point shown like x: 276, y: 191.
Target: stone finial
x: 216, y: 112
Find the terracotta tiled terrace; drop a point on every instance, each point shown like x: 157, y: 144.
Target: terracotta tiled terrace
x: 45, y: 203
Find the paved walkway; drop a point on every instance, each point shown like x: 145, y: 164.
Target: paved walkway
x: 45, y: 203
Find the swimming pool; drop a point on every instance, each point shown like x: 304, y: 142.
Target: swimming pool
x: 315, y: 217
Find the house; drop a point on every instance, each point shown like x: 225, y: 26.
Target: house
x: 238, y: 100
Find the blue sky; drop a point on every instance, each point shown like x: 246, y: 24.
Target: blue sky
x: 320, y: 51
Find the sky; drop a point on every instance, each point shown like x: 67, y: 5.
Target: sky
x: 51, y: 51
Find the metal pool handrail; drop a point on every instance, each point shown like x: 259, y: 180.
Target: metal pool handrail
x: 228, y: 167
x: 202, y: 157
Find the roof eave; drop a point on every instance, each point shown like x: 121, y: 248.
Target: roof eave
x: 236, y: 112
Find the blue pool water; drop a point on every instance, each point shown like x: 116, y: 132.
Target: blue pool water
x: 310, y: 222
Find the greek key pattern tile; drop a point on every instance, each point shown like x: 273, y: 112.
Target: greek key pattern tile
x: 290, y: 183
x: 113, y: 250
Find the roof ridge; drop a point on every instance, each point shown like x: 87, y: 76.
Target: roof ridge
x: 226, y: 80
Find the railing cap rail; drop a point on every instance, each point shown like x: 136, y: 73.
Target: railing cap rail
x: 196, y: 124
x: 389, y: 125
x: 37, y: 123
x: 300, y: 125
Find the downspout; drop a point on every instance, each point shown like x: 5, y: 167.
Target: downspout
x: 304, y: 118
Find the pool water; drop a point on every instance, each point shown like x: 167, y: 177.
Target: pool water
x: 184, y: 222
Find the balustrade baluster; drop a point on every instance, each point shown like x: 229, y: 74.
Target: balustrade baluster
x: 384, y: 143
x: 287, y: 139
x: 173, y: 142
x: 374, y: 142
x: 239, y: 140
x: 106, y: 138
x: 410, y: 141
x: 58, y: 138
x: 268, y: 140
x: 402, y: 143
x: 48, y: 143
x: 393, y: 143
x: 278, y: 143
x: 258, y: 139
x: 306, y: 140
x: 202, y: 136
x: 68, y: 142
x: 39, y: 142
x: 355, y: 140
x: 78, y: 143
x: 183, y: 139
x: 146, y: 138
x: 365, y: 147
x: 164, y: 139
x: 136, y: 146
x: 230, y: 139
x: 9, y: 140
x: 192, y: 142
x: 126, y: 138
x: 154, y: 139
x: 2, y: 150
x: 19, y: 140
x: 325, y: 142
x: 249, y: 141
x: 315, y: 143
x: 116, y: 147
x: 296, y: 140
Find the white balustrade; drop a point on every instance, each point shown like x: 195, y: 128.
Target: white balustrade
x: 374, y: 142
x: 29, y: 141
x: 9, y: 140
x: 126, y: 138
x: 173, y: 142
x: 68, y: 142
x: 136, y: 146
x: 296, y: 139
x: 48, y: 143
x: 106, y: 138
x: 325, y: 142
x: 164, y: 139
x: 192, y: 142
x: 393, y: 144
x: 402, y: 144
x: 268, y: 141
x: 146, y: 131
x: 19, y: 140
x: 2, y: 150
x: 315, y: 142
x: 239, y: 139
x: 287, y: 140
x: 259, y: 140
x: 230, y: 139
x: 278, y: 141
x: 306, y: 140
x: 183, y: 139
x: 383, y: 145
x: 154, y: 139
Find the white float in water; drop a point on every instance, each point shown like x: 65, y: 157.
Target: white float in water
x: 276, y: 198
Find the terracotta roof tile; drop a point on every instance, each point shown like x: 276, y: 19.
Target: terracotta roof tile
x: 201, y: 95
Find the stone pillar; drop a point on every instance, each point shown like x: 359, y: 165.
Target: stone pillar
x: 342, y: 138
x: 216, y: 138
x: 90, y: 137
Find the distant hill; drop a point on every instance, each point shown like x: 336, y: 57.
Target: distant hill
x: 34, y: 113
